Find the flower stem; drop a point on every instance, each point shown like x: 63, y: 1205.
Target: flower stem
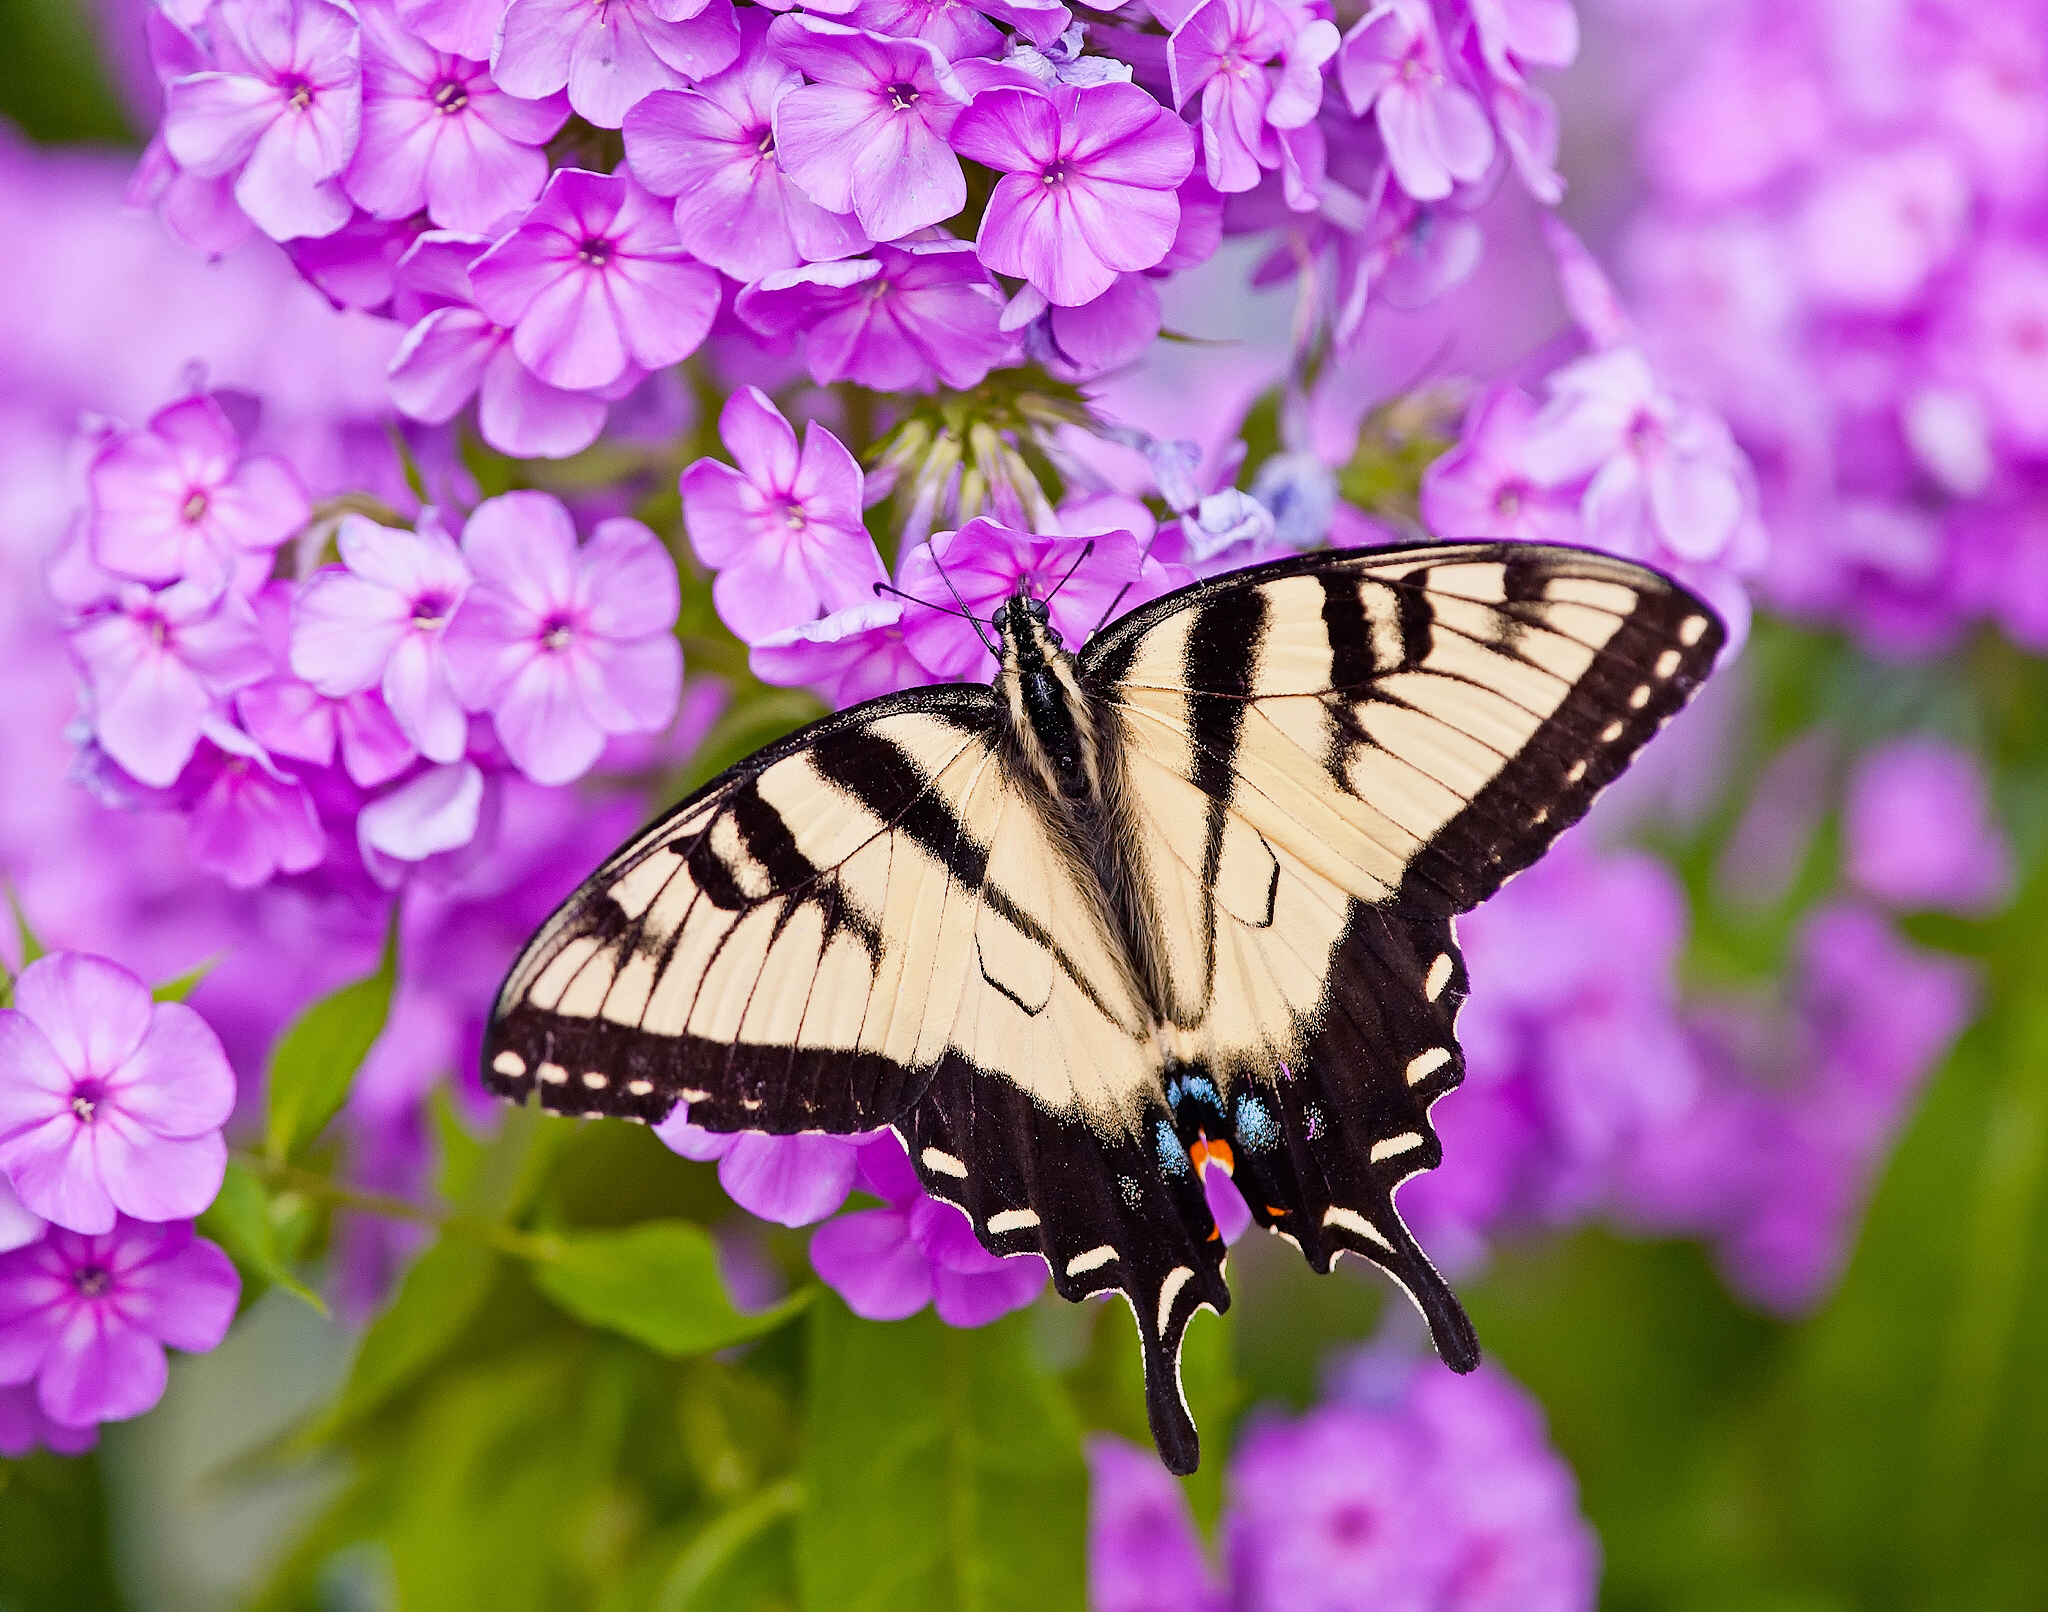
x: 292, y: 1178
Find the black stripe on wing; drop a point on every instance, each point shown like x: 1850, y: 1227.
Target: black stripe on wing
x: 1108, y: 1213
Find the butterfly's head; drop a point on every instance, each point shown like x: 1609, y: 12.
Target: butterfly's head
x: 1026, y: 625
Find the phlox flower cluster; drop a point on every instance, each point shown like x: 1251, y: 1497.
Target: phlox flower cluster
x: 1842, y: 251
x: 1406, y: 1488
x: 912, y: 194
x: 362, y: 718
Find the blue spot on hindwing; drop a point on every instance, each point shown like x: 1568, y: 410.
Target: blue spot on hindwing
x: 1256, y: 1128
x: 1173, y: 1158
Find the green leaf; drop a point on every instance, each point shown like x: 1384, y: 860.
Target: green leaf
x: 317, y: 1057
x: 942, y: 1471
x: 737, y: 1560
x: 240, y: 1222
x: 657, y: 1283
x: 442, y: 1292
x: 176, y: 990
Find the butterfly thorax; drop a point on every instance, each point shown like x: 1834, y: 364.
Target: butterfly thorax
x: 1040, y: 688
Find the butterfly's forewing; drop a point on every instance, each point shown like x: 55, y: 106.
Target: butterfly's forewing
x: 784, y: 951
x: 1324, y: 760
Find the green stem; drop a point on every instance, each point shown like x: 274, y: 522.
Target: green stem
x: 722, y: 1540
x: 311, y: 1183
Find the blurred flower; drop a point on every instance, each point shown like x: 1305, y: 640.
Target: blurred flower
x: 610, y: 56
x: 18, y: 1227
x: 564, y: 644
x: 594, y: 285
x: 1484, y: 488
x: 249, y: 820
x: 1918, y: 830
x: 868, y: 137
x: 379, y: 621
x: 714, y: 149
x: 180, y: 499
x: 282, y: 112
x: 1089, y: 184
x: 439, y: 135
x: 25, y: 1426
x: 1144, y: 1552
x: 87, y: 1317
x: 108, y: 1101
x: 890, y: 1263
x: 784, y: 530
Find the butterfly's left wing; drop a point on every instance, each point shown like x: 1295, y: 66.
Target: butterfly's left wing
x: 1324, y: 760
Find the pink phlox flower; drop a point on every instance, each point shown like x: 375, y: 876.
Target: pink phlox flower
x: 199, y: 211
x: 791, y: 1180
x: 1089, y: 184
x: 1484, y: 488
x: 379, y: 620
x: 891, y: 1262
x: 357, y: 266
x: 869, y: 135
x: 247, y: 819
x: 713, y: 149
x: 282, y: 112
x: 611, y: 56
x: 1221, y: 50
x: 156, y: 665
x: 86, y: 1318
x: 851, y: 655
x: 289, y: 717
x: 783, y: 530
x: 431, y: 814
x: 179, y: 498
x: 438, y: 134
x: 1064, y: 61
x: 1436, y: 132
x: 1514, y: 34
x: 1879, y: 225
x: 1144, y: 1550
x: 1664, y: 474
x: 1595, y: 306
x: 1527, y: 122
x: 455, y: 351
x: 564, y: 643
x: 1083, y: 342
x: 19, y: 1225
x: 25, y: 1426
x: 594, y: 283
x: 460, y: 27
x: 957, y: 29
x: 915, y: 315
x: 1919, y: 832
x: 984, y: 563
x: 108, y: 1101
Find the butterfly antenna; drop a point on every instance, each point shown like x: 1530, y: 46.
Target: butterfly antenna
x: 1119, y: 599
x: 1063, y: 581
x: 994, y: 649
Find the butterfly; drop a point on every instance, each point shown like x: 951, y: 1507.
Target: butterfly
x: 1178, y: 902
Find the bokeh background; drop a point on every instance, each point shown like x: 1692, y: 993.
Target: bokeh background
x: 1749, y: 1191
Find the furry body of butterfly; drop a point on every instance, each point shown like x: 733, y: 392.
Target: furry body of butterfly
x: 1181, y: 902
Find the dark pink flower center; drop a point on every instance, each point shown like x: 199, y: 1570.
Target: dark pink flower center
x: 1508, y: 500
x: 194, y: 508
x: 430, y: 611
x: 764, y: 142
x: 1353, y: 1524
x: 902, y: 97
x: 1645, y: 436
x: 85, y: 1099
x: 91, y: 1280
x: 2030, y: 335
x: 298, y: 93
x: 793, y: 514
x: 1058, y: 173
x: 450, y: 96
x: 557, y: 632
x: 595, y: 251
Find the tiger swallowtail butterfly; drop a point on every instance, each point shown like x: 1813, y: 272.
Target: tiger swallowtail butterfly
x: 1181, y: 901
